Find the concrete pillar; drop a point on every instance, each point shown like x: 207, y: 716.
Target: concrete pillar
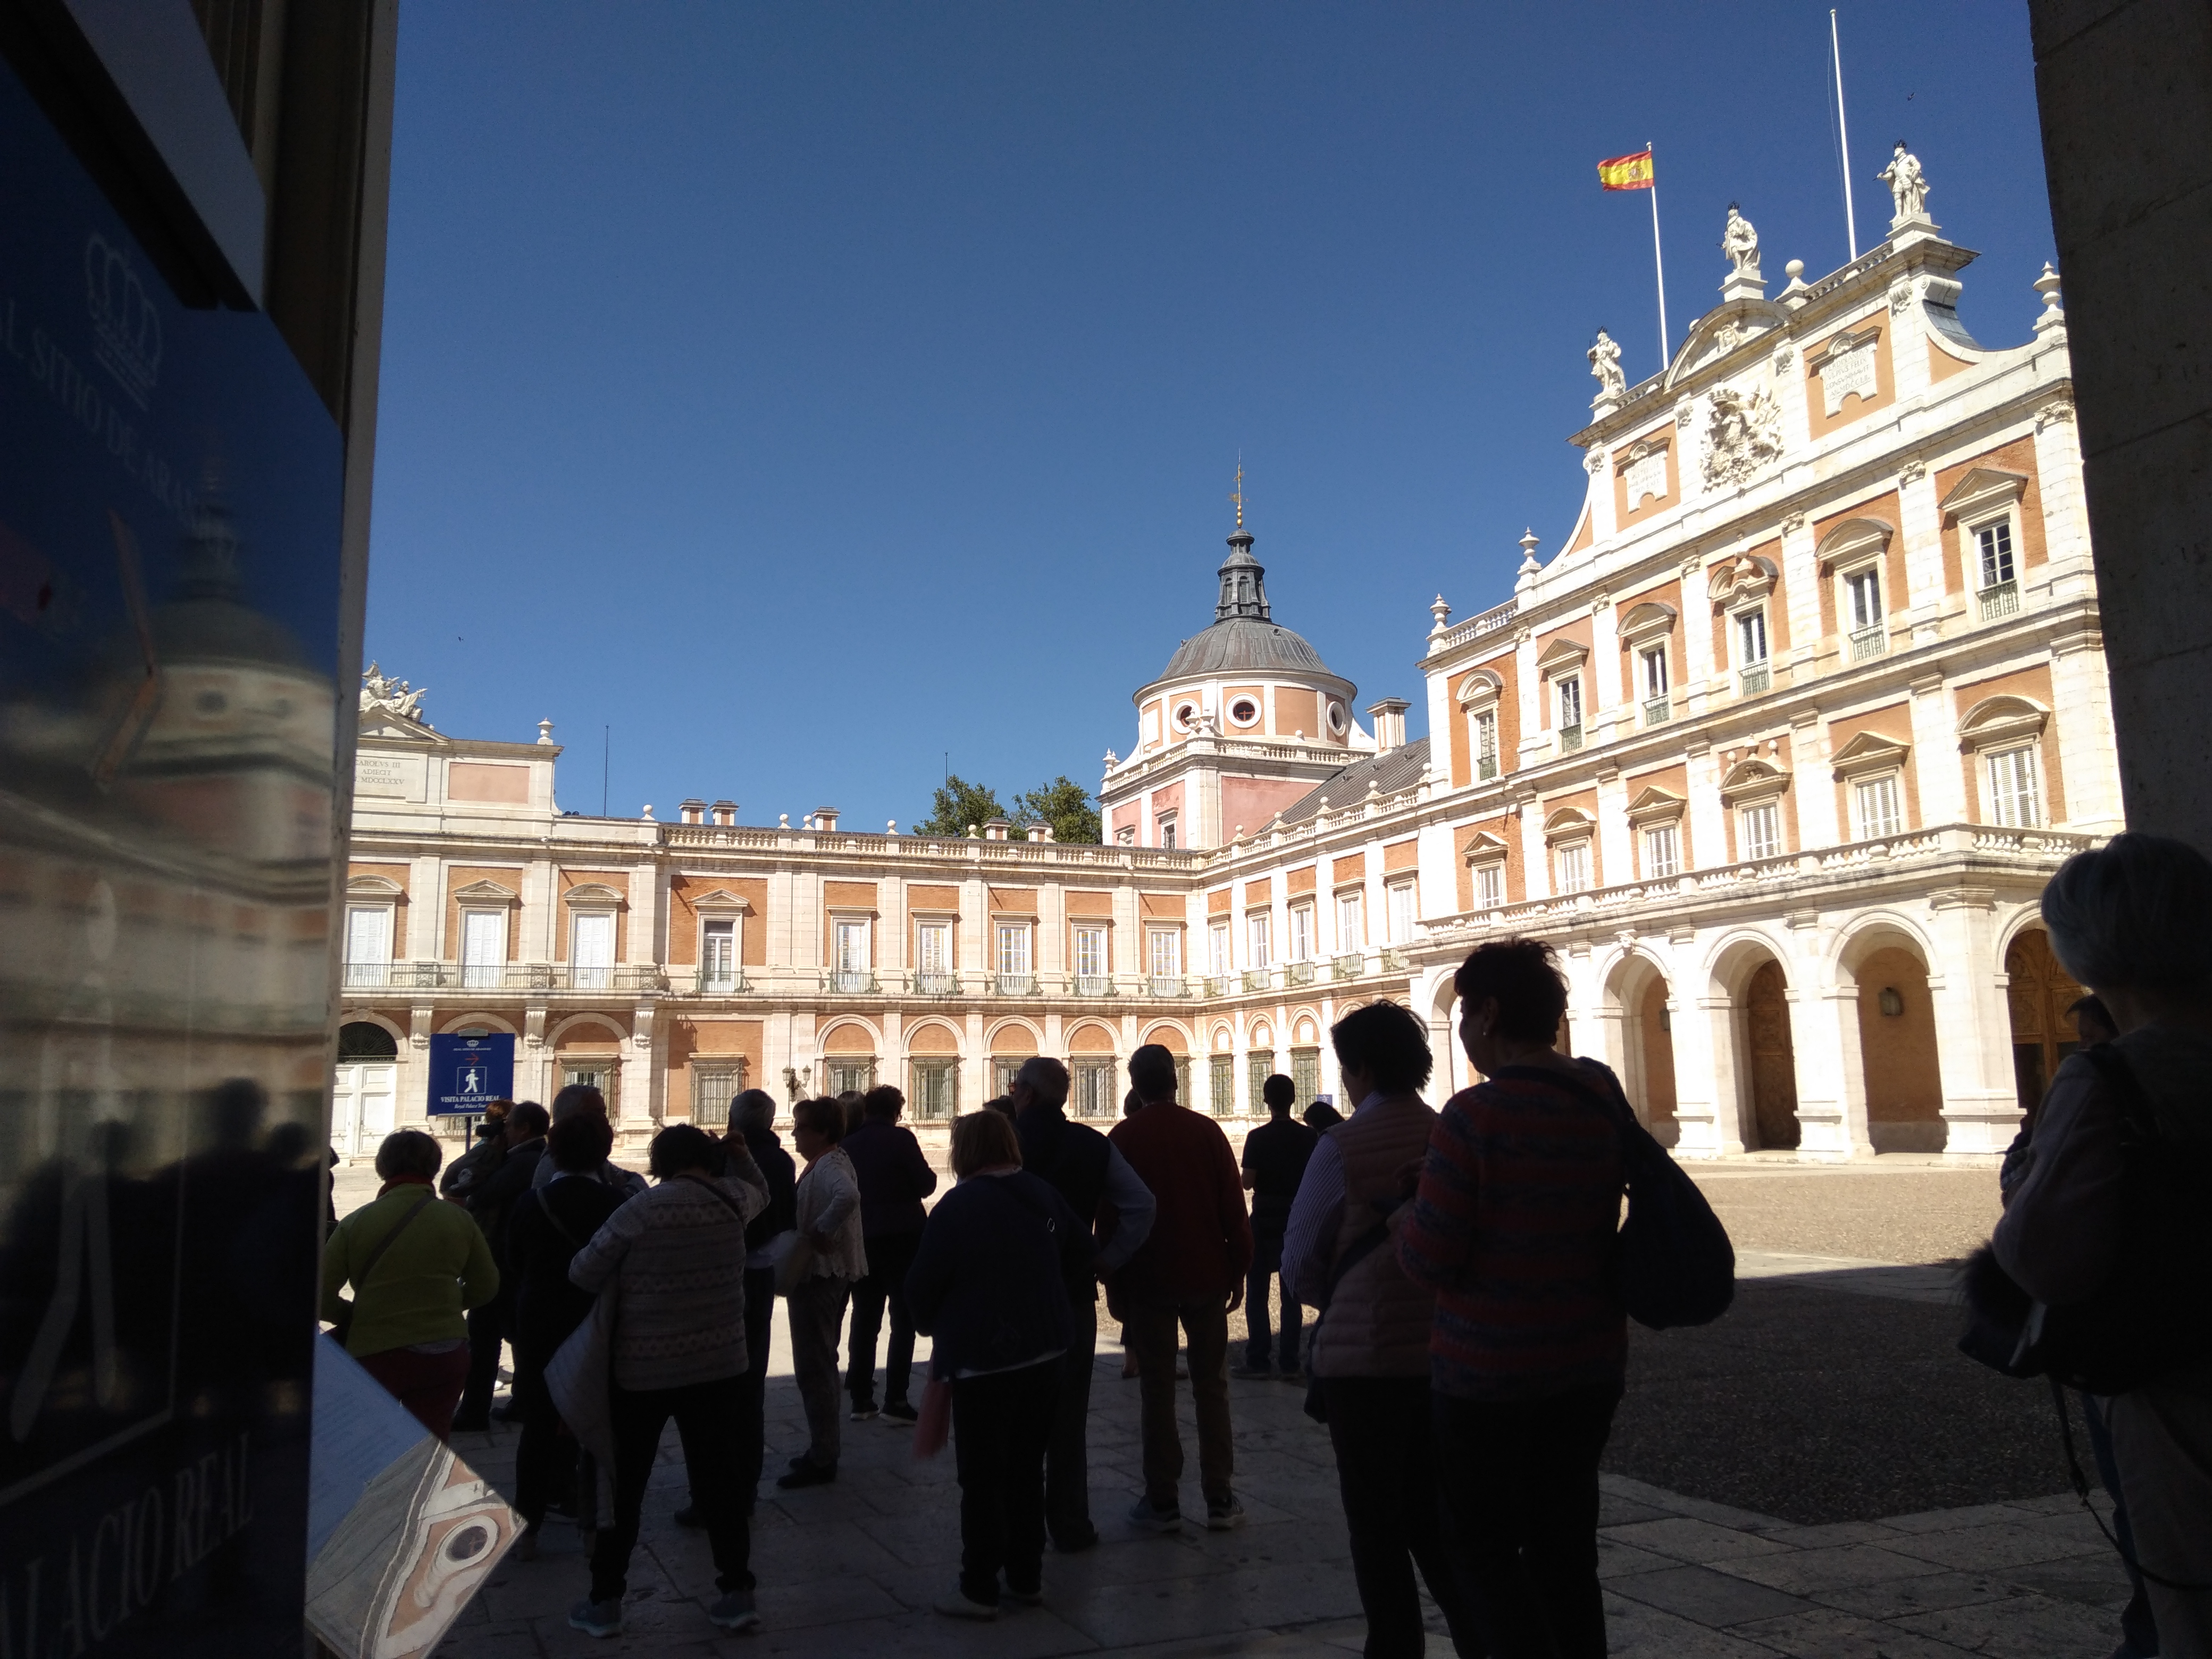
x: 2124, y: 88
x: 1973, y: 1027
x: 1831, y: 1098
x: 1704, y: 1075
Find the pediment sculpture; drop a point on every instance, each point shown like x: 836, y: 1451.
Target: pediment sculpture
x: 1743, y: 434
x: 393, y: 698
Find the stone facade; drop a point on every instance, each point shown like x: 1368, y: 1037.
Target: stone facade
x: 1779, y: 752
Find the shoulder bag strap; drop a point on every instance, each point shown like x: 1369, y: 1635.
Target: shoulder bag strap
x: 723, y: 1198
x: 361, y: 1273
x: 553, y: 1220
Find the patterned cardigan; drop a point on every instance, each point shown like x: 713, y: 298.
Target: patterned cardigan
x: 680, y: 1251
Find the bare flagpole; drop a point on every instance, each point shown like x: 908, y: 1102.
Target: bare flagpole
x: 1843, y: 135
x: 1659, y: 261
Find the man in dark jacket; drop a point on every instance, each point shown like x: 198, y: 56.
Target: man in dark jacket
x: 1189, y: 1271
x: 894, y: 1177
x: 488, y: 1198
x: 1274, y: 1162
x: 1084, y: 1167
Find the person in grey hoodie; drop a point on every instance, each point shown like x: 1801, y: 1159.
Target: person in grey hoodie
x: 2133, y: 921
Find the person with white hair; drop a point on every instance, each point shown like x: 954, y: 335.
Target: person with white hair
x: 2114, y: 1209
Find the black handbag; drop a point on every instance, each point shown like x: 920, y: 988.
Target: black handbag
x: 1672, y: 1262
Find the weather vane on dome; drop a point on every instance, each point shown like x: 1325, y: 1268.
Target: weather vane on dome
x: 1237, y: 494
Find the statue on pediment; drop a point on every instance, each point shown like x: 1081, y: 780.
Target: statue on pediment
x: 1908, y: 185
x: 392, y: 699
x: 1740, y: 241
x: 1605, y: 364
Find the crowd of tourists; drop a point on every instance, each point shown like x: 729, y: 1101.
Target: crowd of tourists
x: 1468, y: 1272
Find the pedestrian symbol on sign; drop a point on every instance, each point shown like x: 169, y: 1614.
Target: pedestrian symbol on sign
x: 472, y: 1082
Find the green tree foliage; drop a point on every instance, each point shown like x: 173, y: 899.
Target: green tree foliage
x: 958, y: 804
x: 1066, y: 806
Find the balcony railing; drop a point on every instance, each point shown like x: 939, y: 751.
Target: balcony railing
x: 1015, y: 985
x: 1870, y: 642
x: 1486, y: 767
x: 851, y: 982
x: 1218, y: 985
x: 1350, y: 965
x: 719, y: 982
x: 1754, y: 681
x: 2000, y: 600
x: 1093, y: 985
x: 1256, y: 979
x: 1657, y: 711
x: 511, y: 978
x: 935, y: 982
x: 1570, y: 738
x: 1301, y: 973
x: 1167, y: 985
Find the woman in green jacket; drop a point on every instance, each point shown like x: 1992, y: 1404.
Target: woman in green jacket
x: 416, y: 1266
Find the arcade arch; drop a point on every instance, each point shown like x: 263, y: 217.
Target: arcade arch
x: 1092, y: 1072
x: 1750, y: 975
x: 932, y: 1064
x: 1636, y: 998
x: 1897, y: 1039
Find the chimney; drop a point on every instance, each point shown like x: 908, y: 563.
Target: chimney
x: 1389, y: 723
x: 826, y: 819
x: 1038, y: 832
x: 692, y: 811
x: 995, y: 828
x: 725, y: 811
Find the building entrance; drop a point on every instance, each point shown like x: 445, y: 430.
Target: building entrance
x: 1773, y: 1061
x: 2040, y: 992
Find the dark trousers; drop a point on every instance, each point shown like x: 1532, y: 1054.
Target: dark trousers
x: 1267, y: 1269
x: 890, y: 1255
x: 545, y: 1456
x: 1148, y: 1330
x: 752, y: 1387
x: 1066, y: 1460
x: 487, y: 1326
x: 705, y: 1416
x: 1520, y: 1483
x: 1386, y: 1469
x: 428, y: 1384
x: 2138, y: 1628
x: 1001, y: 1425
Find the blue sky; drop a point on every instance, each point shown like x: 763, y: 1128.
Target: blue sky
x: 802, y: 392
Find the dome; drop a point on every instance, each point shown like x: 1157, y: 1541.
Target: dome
x: 1242, y: 643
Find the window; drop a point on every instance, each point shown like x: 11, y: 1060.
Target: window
x: 604, y: 1075
x: 1258, y: 936
x: 1094, y: 1088
x: 1302, y: 933
x: 483, y: 947
x: 368, y: 943
x: 1570, y: 712
x: 1013, y: 957
x: 718, y: 953
x: 1862, y: 600
x: 1483, y: 728
x: 936, y: 1088
x: 1751, y: 651
x: 847, y: 1072
x: 1572, y: 864
x: 1759, y: 830
x: 592, y: 950
x: 1168, y: 832
x: 1662, y: 853
x: 1999, y: 584
x: 1221, y: 1085
x: 1217, y: 947
x: 1873, y: 807
x: 1259, y: 1066
x: 1305, y: 1073
x: 1164, y: 950
x: 1403, y: 909
x: 1489, y: 886
x: 1243, y: 711
x: 933, y: 957
x: 1351, y: 924
x: 1091, y: 951
x: 2014, y: 801
x: 852, y: 942
x: 715, y: 1082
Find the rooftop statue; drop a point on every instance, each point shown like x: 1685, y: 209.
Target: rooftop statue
x: 1605, y: 364
x: 1740, y: 241
x: 1908, y: 185
x: 381, y: 695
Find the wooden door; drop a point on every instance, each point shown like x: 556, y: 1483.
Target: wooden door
x: 2040, y: 992
x: 1773, y: 1061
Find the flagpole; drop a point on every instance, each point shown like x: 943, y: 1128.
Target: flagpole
x: 1659, y: 261
x: 1843, y: 135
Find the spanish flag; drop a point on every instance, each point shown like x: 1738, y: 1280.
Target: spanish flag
x: 1625, y: 171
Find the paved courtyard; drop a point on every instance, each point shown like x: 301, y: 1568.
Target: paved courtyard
x: 2021, y: 1574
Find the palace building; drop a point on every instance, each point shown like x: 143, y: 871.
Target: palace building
x: 1779, y: 750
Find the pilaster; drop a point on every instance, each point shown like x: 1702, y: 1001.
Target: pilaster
x: 1935, y: 769
x: 1974, y: 1025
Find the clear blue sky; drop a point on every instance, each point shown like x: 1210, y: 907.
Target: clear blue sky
x: 804, y: 391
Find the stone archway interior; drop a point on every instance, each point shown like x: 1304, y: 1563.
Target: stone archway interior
x: 1897, y: 1048
x: 1655, y: 1038
x: 2040, y: 992
x: 1773, y: 1060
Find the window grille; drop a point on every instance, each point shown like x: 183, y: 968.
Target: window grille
x: 1305, y: 1073
x: 857, y: 1075
x: 1221, y: 1087
x: 713, y: 1086
x: 936, y: 1090
x: 1259, y: 1066
x: 1094, y: 1088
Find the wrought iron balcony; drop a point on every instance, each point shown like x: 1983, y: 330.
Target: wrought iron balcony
x: 1570, y: 738
x: 850, y: 981
x: 1015, y: 985
x: 935, y: 982
x: 1657, y: 711
x: 1870, y: 642
x: 1755, y: 680
x: 1486, y: 767
x: 1217, y: 985
x: 719, y: 982
x: 1350, y: 965
x: 1301, y: 973
x: 1999, y: 601
x: 1256, y: 979
x: 1092, y: 985
x: 1167, y: 985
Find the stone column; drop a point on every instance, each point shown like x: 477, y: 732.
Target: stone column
x: 1705, y: 1109
x: 1974, y: 1025
x: 1831, y: 1098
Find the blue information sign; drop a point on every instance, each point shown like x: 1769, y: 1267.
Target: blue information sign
x: 467, y: 1073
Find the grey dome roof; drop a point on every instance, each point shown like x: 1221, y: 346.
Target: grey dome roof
x: 1242, y: 643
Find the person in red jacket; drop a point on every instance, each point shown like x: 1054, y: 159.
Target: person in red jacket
x: 1189, y: 1271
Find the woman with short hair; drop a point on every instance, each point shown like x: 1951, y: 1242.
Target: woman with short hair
x: 1514, y: 1227
x: 828, y: 1227
x: 416, y: 1267
x: 2132, y: 921
x: 989, y: 1286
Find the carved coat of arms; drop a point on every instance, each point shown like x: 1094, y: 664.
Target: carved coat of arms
x: 1743, y: 434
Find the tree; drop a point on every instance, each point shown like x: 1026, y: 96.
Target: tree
x: 959, y: 804
x: 1066, y: 806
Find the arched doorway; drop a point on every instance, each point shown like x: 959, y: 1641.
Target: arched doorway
x: 1636, y: 998
x: 1773, y: 1059
x: 365, y: 1089
x: 1897, y: 1052
x: 2040, y: 992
